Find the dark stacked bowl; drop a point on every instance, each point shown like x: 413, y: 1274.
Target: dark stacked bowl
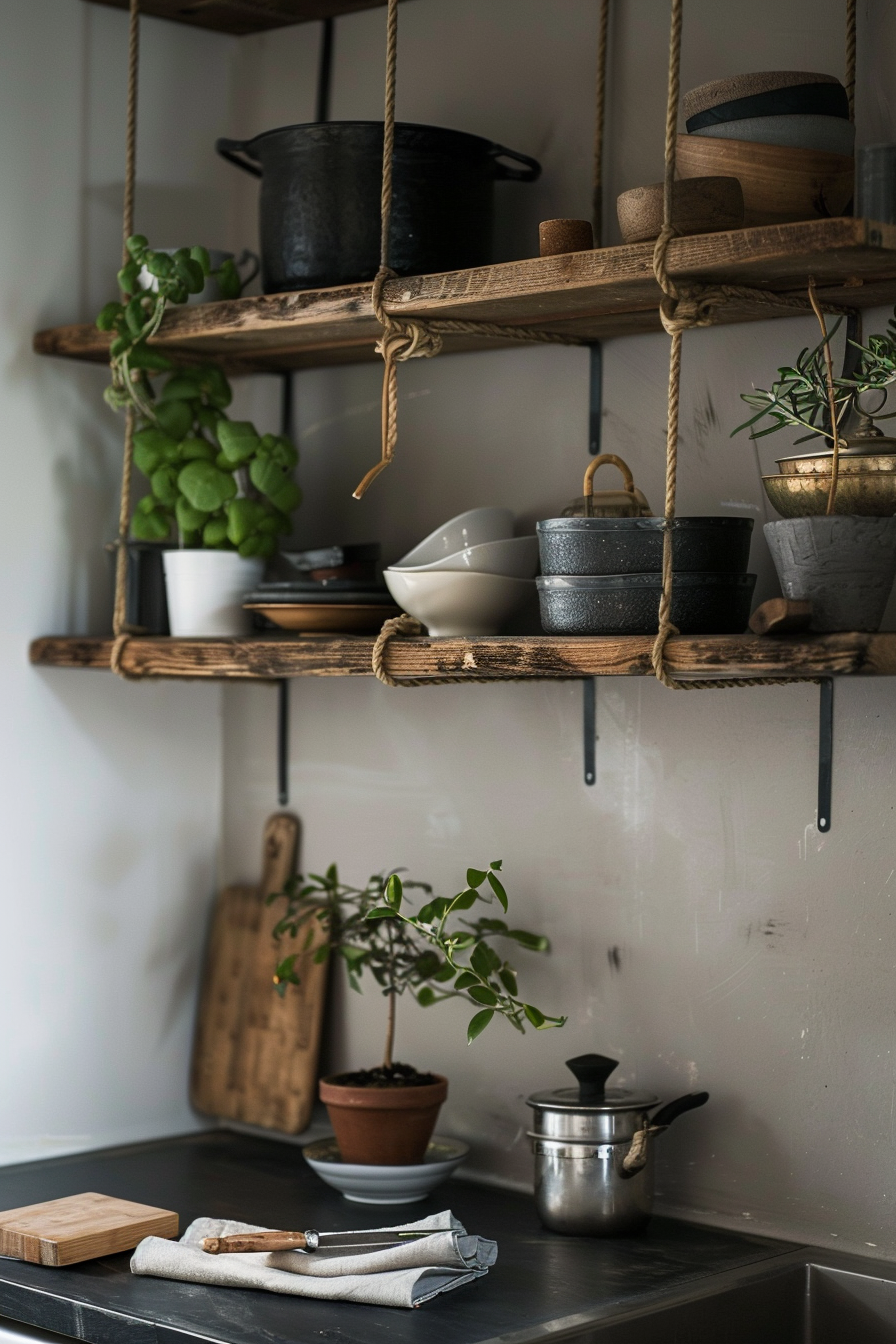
x: 603, y: 576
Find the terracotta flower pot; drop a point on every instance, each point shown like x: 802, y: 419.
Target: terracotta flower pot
x: 383, y: 1126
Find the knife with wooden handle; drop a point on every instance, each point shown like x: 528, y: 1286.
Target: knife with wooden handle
x: 309, y: 1240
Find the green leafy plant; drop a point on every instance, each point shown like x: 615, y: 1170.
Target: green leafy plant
x: 799, y: 396
x: 217, y: 482
x: 430, y: 953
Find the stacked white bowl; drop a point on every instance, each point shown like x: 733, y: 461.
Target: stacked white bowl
x: 468, y: 576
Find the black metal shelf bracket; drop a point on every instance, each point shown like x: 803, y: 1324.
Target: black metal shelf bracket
x: 595, y: 398
x: 283, y: 741
x: 825, y: 752
x: 589, y: 727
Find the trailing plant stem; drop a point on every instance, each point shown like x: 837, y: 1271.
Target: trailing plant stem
x: 832, y: 403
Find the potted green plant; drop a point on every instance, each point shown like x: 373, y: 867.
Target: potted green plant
x: 836, y: 544
x: 223, y: 490
x: 386, y: 1115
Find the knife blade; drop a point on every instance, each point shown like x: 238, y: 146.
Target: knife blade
x: 310, y: 1240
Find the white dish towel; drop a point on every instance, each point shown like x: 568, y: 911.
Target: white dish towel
x: 399, y: 1276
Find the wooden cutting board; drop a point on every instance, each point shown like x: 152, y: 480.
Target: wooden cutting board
x: 255, y: 1054
x: 80, y: 1227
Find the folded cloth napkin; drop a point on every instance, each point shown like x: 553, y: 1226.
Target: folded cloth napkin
x: 398, y: 1276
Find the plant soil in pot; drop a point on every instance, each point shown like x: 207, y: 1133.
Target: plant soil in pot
x: 843, y: 565
x: 384, y: 1116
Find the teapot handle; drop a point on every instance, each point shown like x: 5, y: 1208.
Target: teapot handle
x: 588, y: 488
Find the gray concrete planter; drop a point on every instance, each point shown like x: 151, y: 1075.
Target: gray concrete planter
x: 844, y: 565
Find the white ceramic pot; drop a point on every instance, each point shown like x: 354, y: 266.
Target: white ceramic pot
x: 206, y: 590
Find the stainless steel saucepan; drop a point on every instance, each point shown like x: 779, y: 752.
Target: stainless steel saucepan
x: 594, y: 1151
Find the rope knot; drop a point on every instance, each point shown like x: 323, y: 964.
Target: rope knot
x: 395, y: 625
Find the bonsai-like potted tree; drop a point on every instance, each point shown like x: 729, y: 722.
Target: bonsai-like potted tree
x: 222, y: 489
x: 386, y: 1115
x: 836, y: 544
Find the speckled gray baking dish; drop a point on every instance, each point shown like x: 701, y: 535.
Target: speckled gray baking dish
x: 628, y: 604
x: 635, y: 545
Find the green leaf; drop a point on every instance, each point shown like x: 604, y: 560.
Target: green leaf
x: 475, y: 877
x: 164, y: 485
x: 381, y: 912
x: 136, y: 247
x: 427, y: 964
x: 205, y: 486
x: 445, y: 973
x: 243, y: 516
x: 478, y: 1024
x: 465, y: 899
x: 484, y: 960
x: 424, y: 914
x: 159, y: 264
x: 534, y: 1015
x: 193, y: 448
x: 188, y: 518
x: 480, y: 994
x: 135, y: 316
x: 201, y: 257
x: 151, y: 526
x: 239, y: 442
x: 229, y: 281
x: 190, y: 273
x: 426, y: 997
x: 465, y: 980
x: 175, y: 417
x: 265, y: 475
x: 499, y: 891
x: 507, y: 977
x: 393, y: 892
x: 107, y: 316
x: 497, y: 865
x: 535, y: 942
x: 215, y: 532
x: 182, y: 386
x: 321, y: 954
x: 149, y: 448
x: 144, y: 357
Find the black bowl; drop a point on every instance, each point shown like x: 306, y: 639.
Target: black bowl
x: 628, y: 604
x: 635, y: 545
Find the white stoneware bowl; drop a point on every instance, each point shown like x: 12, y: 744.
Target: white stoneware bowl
x: 452, y: 603
x: 798, y: 130
x: 385, y: 1185
x: 516, y: 558
x: 467, y: 529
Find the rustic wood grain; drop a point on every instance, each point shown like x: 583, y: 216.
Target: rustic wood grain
x: 255, y: 1054
x: 241, y: 17
x: 524, y: 656
x: 80, y: 1227
x: 593, y: 294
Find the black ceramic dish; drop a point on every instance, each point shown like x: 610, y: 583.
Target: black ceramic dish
x: 826, y: 100
x: 628, y: 604
x: 351, y: 591
x: 635, y: 545
x: 320, y: 200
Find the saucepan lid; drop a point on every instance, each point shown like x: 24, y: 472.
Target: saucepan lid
x: 592, y: 1095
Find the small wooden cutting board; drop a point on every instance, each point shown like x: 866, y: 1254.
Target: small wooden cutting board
x: 80, y: 1227
x: 255, y: 1054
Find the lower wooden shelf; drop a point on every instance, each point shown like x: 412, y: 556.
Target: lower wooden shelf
x: 266, y: 657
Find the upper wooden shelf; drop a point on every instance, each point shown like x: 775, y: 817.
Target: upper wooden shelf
x: 242, y: 17
x: 266, y: 657
x: 609, y: 291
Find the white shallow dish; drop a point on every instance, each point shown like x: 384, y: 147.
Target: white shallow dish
x: 385, y: 1185
x: 797, y: 130
x: 457, y: 603
x: 467, y: 529
x: 515, y: 558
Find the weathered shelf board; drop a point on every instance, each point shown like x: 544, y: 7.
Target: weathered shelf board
x: 241, y: 17
x: 524, y: 656
x: 591, y: 295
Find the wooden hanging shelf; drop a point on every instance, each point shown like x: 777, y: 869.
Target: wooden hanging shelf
x: 525, y: 656
x: 242, y: 17
x: 605, y: 292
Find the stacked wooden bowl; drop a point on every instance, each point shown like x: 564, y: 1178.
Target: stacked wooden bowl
x: 785, y: 135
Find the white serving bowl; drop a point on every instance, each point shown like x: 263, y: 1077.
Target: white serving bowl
x: 516, y: 558
x: 467, y: 529
x: 797, y: 130
x: 449, y: 602
x: 385, y: 1185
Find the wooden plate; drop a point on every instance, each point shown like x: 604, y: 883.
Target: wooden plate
x: 325, y: 617
x: 780, y: 184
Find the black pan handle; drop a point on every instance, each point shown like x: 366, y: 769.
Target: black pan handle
x: 531, y: 171
x: 674, y: 1109
x: 238, y: 152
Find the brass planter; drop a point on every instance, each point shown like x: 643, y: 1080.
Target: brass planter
x: 866, y: 478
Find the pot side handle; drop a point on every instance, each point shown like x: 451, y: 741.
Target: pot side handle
x: 238, y: 153
x: 664, y: 1117
x: 530, y: 172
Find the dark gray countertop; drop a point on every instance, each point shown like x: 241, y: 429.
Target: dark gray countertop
x: 541, y: 1279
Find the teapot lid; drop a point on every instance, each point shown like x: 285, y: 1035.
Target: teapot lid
x: 592, y: 1094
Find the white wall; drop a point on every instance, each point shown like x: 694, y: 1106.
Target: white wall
x: 110, y: 796
x: 755, y: 956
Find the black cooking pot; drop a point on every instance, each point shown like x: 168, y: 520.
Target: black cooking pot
x: 628, y: 604
x: 320, y: 200
x: 635, y: 545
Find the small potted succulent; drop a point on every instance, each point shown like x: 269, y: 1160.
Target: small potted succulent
x: 836, y: 544
x: 222, y: 489
x: 386, y: 1115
